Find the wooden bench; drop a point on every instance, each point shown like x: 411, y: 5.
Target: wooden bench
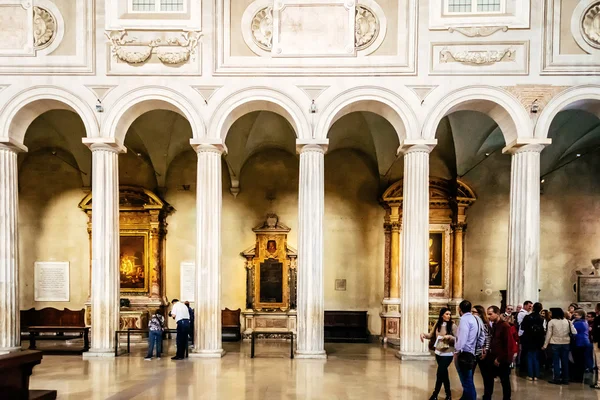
x: 35, y: 323
x: 82, y: 330
x: 231, y: 327
x: 346, y: 326
x: 15, y: 370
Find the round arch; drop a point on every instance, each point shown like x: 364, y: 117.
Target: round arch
x: 249, y: 100
x: 586, y: 98
x: 502, y: 107
x: 376, y: 100
x: 22, y: 109
x: 125, y: 110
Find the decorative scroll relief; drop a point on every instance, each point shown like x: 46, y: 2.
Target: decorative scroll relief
x: 485, y: 57
x: 170, y: 51
x: 16, y: 28
x: 478, y: 31
x: 591, y: 25
x: 314, y: 28
x: 44, y: 27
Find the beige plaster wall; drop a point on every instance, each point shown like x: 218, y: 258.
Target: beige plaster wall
x: 51, y: 226
x: 68, y: 45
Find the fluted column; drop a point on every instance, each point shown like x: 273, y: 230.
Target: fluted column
x: 10, y: 334
x: 524, y: 226
x: 209, y: 201
x: 105, y: 248
x: 414, y: 307
x: 310, y: 250
x: 458, y: 263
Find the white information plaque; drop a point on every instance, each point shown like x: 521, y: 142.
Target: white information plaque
x: 187, y: 279
x: 51, y: 281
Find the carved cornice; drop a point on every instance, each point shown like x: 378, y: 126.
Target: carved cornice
x: 478, y: 31
x: 477, y: 57
x: 132, y: 51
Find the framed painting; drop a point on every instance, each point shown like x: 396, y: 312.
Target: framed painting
x: 437, y: 264
x: 134, y: 262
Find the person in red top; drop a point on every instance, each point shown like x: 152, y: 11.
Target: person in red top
x: 501, y: 350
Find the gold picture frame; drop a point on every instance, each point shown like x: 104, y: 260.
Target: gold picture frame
x: 271, y: 247
x: 437, y: 259
x: 134, y: 261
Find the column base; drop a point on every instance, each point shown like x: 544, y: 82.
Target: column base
x: 419, y: 356
x: 207, y: 353
x: 95, y: 354
x: 6, y: 350
x: 318, y: 355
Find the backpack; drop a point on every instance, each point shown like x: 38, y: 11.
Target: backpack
x: 538, y: 334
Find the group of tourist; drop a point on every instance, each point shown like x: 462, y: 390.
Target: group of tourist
x: 498, y: 341
x: 183, y: 315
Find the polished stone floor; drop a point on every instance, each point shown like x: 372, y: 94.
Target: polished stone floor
x: 352, y: 371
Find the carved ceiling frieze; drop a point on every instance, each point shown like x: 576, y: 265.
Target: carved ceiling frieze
x: 478, y: 31
x: 591, y: 25
x: 538, y: 94
x: 479, y: 57
x: 44, y: 27
x: 171, y: 51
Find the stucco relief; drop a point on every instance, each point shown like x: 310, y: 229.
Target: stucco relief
x: 366, y: 27
x: 591, y: 25
x: 478, y: 31
x: 262, y: 28
x: 485, y: 57
x: 133, y: 51
x: 44, y: 27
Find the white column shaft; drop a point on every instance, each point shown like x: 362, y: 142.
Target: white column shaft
x: 10, y: 335
x: 524, y: 227
x: 105, y: 249
x: 310, y: 252
x: 415, y: 238
x: 208, y: 253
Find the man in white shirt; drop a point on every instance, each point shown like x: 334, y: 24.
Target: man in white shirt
x: 181, y: 315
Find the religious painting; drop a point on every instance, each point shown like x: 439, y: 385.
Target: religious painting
x: 133, y: 265
x: 436, y: 259
x: 271, y: 281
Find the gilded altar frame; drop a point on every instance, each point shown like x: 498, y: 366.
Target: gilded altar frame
x: 146, y: 259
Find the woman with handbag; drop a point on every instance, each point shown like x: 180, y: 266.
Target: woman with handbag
x: 441, y: 340
x: 558, y: 336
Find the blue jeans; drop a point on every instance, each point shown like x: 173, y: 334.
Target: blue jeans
x: 560, y: 362
x: 466, y: 380
x: 154, y: 338
x: 533, y: 363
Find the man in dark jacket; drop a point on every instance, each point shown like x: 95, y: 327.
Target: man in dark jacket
x: 500, y: 354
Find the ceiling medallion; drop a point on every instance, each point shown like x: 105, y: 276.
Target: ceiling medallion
x: 262, y: 28
x: 591, y: 25
x: 366, y: 27
x: 44, y: 27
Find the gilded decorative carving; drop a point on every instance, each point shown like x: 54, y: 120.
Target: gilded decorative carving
x: 478, y: 31
x: 485, y: 57
x: 591, y: 25
x: 366, y: 27
x: 262, y: 28
x: 131, y: 51
x: 528, y: 94
x: 44, y: 27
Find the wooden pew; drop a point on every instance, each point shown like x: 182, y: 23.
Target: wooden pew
x: 231, y: 327
x: 15, y: 370
x: 50, y: 320
x: 346, y: 326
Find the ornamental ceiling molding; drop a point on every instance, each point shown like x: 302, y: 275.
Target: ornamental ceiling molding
x: 367, y: 25
x: 538, y: 94
x: 590, y: 25
x: 172, y: 51
x: 477, y: 57
x: 477, y: 31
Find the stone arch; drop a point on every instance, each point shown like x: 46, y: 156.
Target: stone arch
x: 21, y: 110
x: 502, y: 107
x: 586, y: 98
x: 397, y: 111
x: 125, y: 110
x: 249, y: 100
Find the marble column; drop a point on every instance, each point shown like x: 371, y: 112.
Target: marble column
x: 209, y: 201
x: 310, y: 250
x: 524, y: 226
x: 414, y: 306
x: 10, y: 333
x: 105, y: 248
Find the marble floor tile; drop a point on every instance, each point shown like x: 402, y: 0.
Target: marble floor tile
x: 352, y: 371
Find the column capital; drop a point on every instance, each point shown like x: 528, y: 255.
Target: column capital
x: 11, y: 144
x: 416, y: 146
x: 210, y: 145
x: 106, y: 144
x: 524, y: 145
x: 320, y: 146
